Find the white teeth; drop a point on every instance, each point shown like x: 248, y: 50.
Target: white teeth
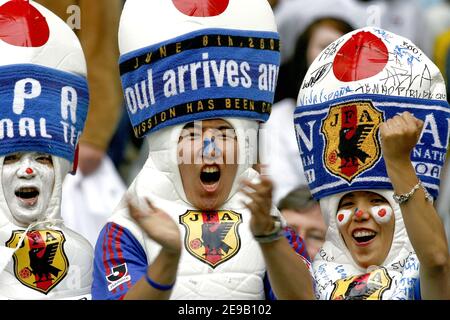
x: 210, y: 169
x: 363, y: 233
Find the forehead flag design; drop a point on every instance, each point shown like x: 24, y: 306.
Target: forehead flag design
x: 23, y: 25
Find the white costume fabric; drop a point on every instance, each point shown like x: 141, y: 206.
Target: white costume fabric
x: 334, y: 261
x: 42, y: 259
x: 362, y: 74
x: 239, y: 271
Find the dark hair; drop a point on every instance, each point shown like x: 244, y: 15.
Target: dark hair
x: 298, y: 199
x: 292, y: 72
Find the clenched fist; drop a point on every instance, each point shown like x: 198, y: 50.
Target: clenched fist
x: 399, y: 135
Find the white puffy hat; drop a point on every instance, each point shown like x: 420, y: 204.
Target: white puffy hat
x: 183, y: 61
x: 357, y: 82
x: 43, y: 88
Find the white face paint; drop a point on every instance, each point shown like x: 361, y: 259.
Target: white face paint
x: 28, y: 180
x: 381, y: 214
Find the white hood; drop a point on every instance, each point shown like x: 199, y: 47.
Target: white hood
x: 62, y: 52
x: 163, y: 158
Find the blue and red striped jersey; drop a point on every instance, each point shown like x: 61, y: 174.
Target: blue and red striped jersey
x: 120, y: 262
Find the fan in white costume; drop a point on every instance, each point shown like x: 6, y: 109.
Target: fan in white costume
x: 362, y: 142
x: 44, y: 99
x: 198, y: 78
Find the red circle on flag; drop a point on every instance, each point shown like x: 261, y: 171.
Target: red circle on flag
x: 201, y: 8
x: 22, y: 25
x: 363, y: 56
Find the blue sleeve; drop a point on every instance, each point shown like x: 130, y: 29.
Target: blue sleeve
x: 299, y: 246
x: 119, y: 262
x: 297, y: 243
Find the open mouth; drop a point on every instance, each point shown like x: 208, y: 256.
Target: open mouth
x: 210, y: 176
x: 28, y: 195
x: 363, y: 236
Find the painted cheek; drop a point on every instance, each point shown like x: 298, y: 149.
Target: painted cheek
x: 343, y: 216
x: 382, y: 214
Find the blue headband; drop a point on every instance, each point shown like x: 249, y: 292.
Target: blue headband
x: 205, y: 74
x: 42, y: 110
x: 340, y: 148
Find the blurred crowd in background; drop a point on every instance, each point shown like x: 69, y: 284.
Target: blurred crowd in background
x: 110, y: 156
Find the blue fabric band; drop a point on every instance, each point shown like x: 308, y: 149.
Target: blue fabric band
x: 41, y: 110
x: 202, y: 75
x: 158, y: 286
x: 340, y: 148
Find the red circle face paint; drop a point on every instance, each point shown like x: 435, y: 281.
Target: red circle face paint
x: 363, y: 56
x: 29, y: 171
x: 359, y: 213
x: 340, y: 217
x: 22, y: 25
x: 201, y: 8
x: 382, y: 212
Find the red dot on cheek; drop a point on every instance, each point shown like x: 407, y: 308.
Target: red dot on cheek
x: 382, y: 212
x: 340, y: 217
